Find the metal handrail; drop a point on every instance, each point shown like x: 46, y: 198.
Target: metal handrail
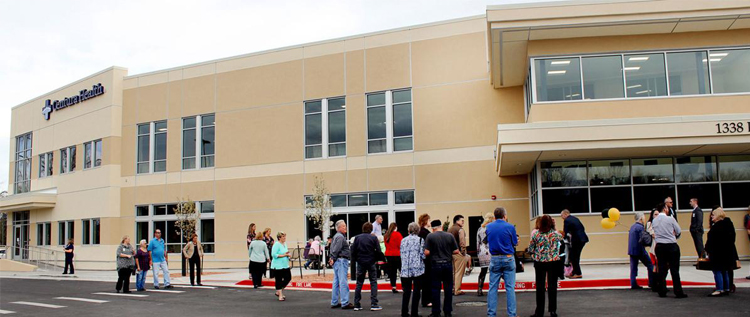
x: 40, y: 256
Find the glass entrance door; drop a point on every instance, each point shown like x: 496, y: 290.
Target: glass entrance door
x: 21, y: 235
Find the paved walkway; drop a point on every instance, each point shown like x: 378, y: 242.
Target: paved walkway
x: 594, y: 276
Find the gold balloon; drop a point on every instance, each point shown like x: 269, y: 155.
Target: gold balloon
x: 614, y: 214
x: 608, y: 223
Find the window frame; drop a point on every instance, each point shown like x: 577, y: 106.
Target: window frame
x: 324, y: 128
x: 66, y: 232
x: 44, y: 233
x: 23, y: 161
x: 623, y: 54
x: 198, y: 140
x: 150, y: 219
x: 94, y: 231
x: 48, y: 160
x: 89, y: 151
x: 69, y: 159
x: 680, y: 203
x: 389, y: 133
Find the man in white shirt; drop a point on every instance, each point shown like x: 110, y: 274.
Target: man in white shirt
x: 666, y: 233
x: 377, y: 226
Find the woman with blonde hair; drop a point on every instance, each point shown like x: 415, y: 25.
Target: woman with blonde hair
x: 483, y: 252
x: 268, y: 239
x: 280, y: 264
x: 722, y: 251
x: 125, y: 264
x: 259, y: 257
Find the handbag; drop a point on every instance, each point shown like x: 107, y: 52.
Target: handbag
x: 703, y: 264
x: 645, y: 239
x: 568, y: 270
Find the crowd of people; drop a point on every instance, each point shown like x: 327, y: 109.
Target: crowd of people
x: 430, y: 261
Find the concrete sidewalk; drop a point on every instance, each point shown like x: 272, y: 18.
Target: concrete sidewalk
x: 602, y: 276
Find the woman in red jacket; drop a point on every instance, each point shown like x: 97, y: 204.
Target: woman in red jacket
x: 392, y: 239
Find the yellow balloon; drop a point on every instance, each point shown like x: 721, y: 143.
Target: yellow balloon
x: 614, y: 214
x: 608, y: 223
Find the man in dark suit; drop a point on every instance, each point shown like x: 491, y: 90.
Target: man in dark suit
x: 672, y: 212
x: 578, y: 240
x: 696, y: 227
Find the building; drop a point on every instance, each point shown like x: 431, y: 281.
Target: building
x: 582, y: 105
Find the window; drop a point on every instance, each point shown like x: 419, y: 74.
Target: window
x: 206, y: 231
x: 558, y: 79
x: 645, y: 75
x: 65, y: 231
x: 163, y: 218
x: 44, y: 233
x: 657, y: 74
x: 152, y: 147
x: 389, y: 122
x: 198, y: 136
x: 22, y: 178
x: 688, y: 73
x: 91, y: 232
x: 729, y: 69
x: 92, y: 152
x: 68, y: 159
x: 46, y: 164
x: 357, y: 208
x: 640, y: 184
x: 331, y: 141
x: 602, y: 77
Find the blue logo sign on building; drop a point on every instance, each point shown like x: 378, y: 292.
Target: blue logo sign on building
x: 51, y: 106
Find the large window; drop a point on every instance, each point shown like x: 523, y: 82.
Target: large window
x: 325, y: 128
x: 357, y: 208
x: 44, y: 233
x: 92, y: 152
x: 22, y: 178
x: 152, y: 147
x: 389, y: 122
x: 198, y: 141
x: 149, y: 218
x: 46, y: 164
x: 65, y: 231
x: 642, y: 183
x: 638, y: 75
x: 91, y: 231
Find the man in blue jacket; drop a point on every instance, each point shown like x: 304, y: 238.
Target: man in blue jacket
x: 637, y: 252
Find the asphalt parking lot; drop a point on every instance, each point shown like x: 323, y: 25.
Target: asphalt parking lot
x: 79, y: 298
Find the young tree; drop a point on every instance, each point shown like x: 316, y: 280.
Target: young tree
x: 187, y: 220
x: 319, y: 210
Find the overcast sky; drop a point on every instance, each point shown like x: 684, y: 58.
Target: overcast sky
x: 47, y: 44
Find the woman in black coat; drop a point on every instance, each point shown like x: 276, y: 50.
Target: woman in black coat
x: 722, y: 251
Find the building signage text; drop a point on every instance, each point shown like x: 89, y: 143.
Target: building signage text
x: 83, y: 95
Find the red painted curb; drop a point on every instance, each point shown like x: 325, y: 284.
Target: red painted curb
x: 564, y: 284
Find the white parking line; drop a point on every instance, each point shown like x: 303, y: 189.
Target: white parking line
x: 120, y: 294
x: 201, y: 287
x: 88, y: 300
x: 5, y: 312
x: 164, y: 291
x: 38, y: 304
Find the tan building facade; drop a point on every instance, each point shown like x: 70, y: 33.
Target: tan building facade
x: 448, y: 118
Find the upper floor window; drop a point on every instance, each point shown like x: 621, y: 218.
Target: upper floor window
x: 68, y: 159
x: 198, y: 133
x: 638, y: 75
x: 325, y: 128
x: 152, y: 147
x: 22, y: 177
x: 46, y: 165
x: 389, y: 121
x: 92, y: 152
